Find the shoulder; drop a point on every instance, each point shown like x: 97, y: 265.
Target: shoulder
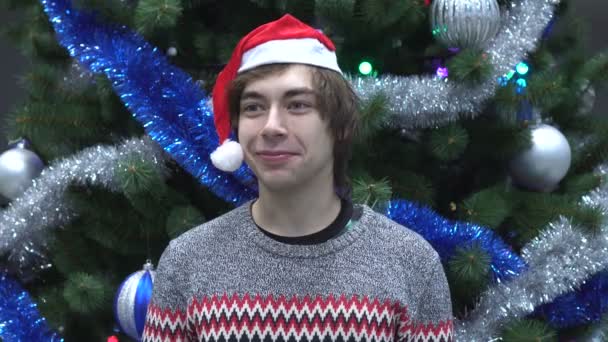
x: 396, y: 238
x: 222, y: 228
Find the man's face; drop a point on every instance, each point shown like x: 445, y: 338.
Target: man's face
x: 285, y: 141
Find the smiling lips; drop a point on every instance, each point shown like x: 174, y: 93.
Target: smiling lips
x: 275, y: 156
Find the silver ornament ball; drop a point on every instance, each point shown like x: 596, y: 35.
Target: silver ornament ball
x: 18, y: 167
x: 543, y: 166
x: 465, y: 23
x: 132, y: 299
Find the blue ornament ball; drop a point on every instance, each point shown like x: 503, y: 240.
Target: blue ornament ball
x: 132, y: 299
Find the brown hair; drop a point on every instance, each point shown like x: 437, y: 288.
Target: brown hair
x: 337, y: 102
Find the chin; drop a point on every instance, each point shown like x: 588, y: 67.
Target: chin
x: 276, y: 182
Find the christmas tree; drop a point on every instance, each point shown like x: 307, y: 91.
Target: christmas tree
x: 476, y: 132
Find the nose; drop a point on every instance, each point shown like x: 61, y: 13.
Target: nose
x: 275, y: 125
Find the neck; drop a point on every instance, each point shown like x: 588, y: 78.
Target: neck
x: 296, y: 213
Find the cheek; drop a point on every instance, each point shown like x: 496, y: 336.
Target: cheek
x: 320, y: 140
x: 246, y: 131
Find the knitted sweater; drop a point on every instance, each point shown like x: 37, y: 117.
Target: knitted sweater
x: 227, y: 281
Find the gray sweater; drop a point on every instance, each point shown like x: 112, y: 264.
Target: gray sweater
x: 227, y: 281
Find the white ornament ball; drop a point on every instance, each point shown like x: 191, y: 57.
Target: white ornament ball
x: 132, y: 299
x: 465, y: 23
x: 18, y: 168
x: 172, y: 51
x: 543, y: 166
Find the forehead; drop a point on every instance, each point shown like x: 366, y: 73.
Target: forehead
x: 295, y: 76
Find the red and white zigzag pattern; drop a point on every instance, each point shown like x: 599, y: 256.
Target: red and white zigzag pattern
x: 441, y: 331
x: 164, y: 325
x: 255, y: 318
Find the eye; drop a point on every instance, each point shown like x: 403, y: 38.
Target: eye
x: 250, y: 109
x: 299, y: 106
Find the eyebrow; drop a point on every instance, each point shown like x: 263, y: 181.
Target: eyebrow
x: 290, y: 93
x: 299, y: 91
x: 251, y: 95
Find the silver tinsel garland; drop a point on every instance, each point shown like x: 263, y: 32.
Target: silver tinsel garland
x: 420, y: 102
x: 559, y: 260
x: 25, y: 223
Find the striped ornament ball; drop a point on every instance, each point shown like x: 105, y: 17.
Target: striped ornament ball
x: 132, y: 299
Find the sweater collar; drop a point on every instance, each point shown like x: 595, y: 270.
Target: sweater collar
x: 355, y: 232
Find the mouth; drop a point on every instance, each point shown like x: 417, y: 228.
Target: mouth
x: 275, y: 157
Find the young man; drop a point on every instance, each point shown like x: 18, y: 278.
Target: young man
x: 301, y: 262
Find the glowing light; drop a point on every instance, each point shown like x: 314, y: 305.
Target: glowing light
x: 522, y: 68
x: 442, y: 72
x: 365, y: 68
x: 510, y: 74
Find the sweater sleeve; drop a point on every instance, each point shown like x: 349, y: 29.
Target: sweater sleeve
x: 432, y: 319
x: 166, y: 318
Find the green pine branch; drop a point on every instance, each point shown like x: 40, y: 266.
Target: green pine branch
x: 487, y: 207
x: 591, y: 154
x: 412, y: 186
x: 67, y: 120
x: 336, y: 12
x: 529, y: 331
x: 467, y: 272
x: 579, y: 185
x: 568, y: 41
x: 470, y: 265
x: 546, y: 90
x: 496, y: 140
x: 118, y: 11
x: 87, y: 293
x: 588, y: 218
x: 381, y: 14
x: 371, y: 192
x: 204, y: 44
x: 156, y: 15
x: 183, y: 218
x: 532, y: 212
x: 144, y: 186
x: 449, y: 142
x: 507, y: 101
x: 70, y: 251
x: 596, y: 69
x: 373, y: 115
x: 52, y: 306
x: 542, y: 59
x: 42, y: 81
x: 470, y: 66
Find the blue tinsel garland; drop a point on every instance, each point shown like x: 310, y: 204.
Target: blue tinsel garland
x: 19, y: 317
x: 172, y: 108
x: 586, y: 304
x: 445, y: 235
x: 176, y: 114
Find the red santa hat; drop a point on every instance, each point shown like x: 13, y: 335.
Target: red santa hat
x: 286, y: 40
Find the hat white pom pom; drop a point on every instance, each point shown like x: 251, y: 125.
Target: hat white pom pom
x: 228, y: 156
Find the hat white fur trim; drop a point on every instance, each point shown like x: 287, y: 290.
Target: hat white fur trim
x: 228, y: 156
x: 298, y: 50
